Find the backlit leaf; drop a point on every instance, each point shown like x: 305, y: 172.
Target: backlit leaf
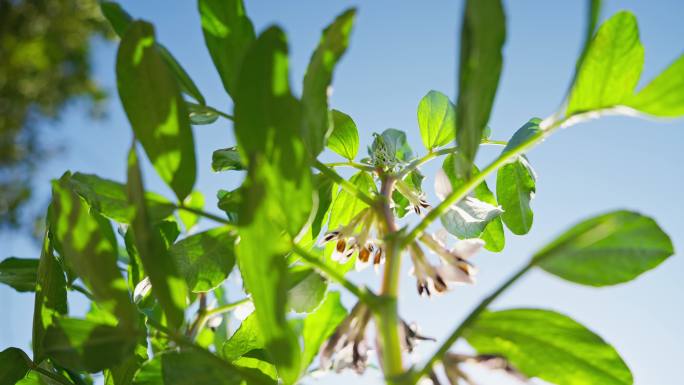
x: 307, y: 289
x: 153, y: 103
x: 344, y: 139
x: 436, y: 120
x: 483, y: 33
x: 228, y: 33
x: 550, y: 346
x: 611, y: 67
x: 515, y: 188
x: 664, y: 95
x: 205, y: 259
x: 226, y: 159
x: 316, y: 124
x: 606, y: 250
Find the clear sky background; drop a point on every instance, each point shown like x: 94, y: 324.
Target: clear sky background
x: 400, y: 51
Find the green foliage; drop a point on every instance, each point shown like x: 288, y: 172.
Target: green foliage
x: 548, y: 345
x: 436, y: 120
x: 482, y: 37
x: 344, y: 139
x: 316, y: 120
x: 154, y: 105
x: 19, y: 273
x: 606, y: 250
x: 515, y: 188
x: 158, y: 322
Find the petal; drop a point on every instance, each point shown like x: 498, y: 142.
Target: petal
x: 454, y: 275
x: 466, y: 248
x: 442, y: 184
x: 142, y: 289
x: 441, y: 237
x: 360, y: 265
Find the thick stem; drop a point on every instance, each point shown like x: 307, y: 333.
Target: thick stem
x: 456, y: 334
x: 387, y: 317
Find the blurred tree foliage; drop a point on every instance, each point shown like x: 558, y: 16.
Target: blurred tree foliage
x: 44, y: 64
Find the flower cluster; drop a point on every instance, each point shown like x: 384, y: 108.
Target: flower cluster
x: 361, y: 235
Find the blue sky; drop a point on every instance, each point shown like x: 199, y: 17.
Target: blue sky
x: 400, y: 51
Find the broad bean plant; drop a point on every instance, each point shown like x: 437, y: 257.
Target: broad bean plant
x: 295, y: 228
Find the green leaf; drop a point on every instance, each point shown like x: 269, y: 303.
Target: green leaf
x: 123, y: 373
x: 248, y: 337
x: 390, y: 149
x: 51, y: 296
x: 524, y: 136
x: 476, y: 216
x: 664, y: 95
x: 197, y: 368
x: 205, y: 259
x: 606, y: 250
x: 317, y: 81
x: 515, y: 188
x: 200, y: 115
x: 344, y: 139
x: 413, y: 182
x: 154, y: 106
x: 88, y: 246
x: 19, y: 273
x: 229, y: 202
x: 227, y: 159
x: 277, y: 196
x: 187, y: 85
x: 550, y: 346
x: 168, y: 286
x: 14, y: 366
x: 483, y: 33
x: 228, y: 33
x: 320, y: 325
x: 611, y: 67
x: 324, y: 188
x: 80, y: 344
x: 436, y: 120
x: 119, y: 19
x: 193, y: 201
x: 346, y: 206
x: 109, y: 198
x: 307, y: 289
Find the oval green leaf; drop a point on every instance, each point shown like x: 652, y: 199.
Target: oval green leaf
x: 436, y: 120
x: 344, y: 139
x: 515, y: 188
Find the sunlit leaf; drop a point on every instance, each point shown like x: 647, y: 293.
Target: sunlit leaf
x: 168, y: 286
x: 205, y: 259
x: 193, y: 201
x: 319, y: 326
x: 247, y: 338
x: 606, y: 250
x: 307, y: 289
x: 226, y: 159
x: 436, y: 120
x: 87, y: 244
x: 109, y: 198
x: 200, y: 115
x: 344, y: 139
x: 611, y: 66
x: 19, y: 273
x: 529, y: 133
x: 228, y: 33
x: 550, y: 346
x: 153, y: 103
x: 51, y: 296
x: 664, y: 95
x: 316, y: 120
x: 515, y: 188
x: 483, y: 33
x: 118, y: 18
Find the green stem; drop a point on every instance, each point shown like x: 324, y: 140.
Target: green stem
x: 82, y: 290
x: 221, y: 113
x: 333, y: 274
x: 227, y: 307
x: 205, y: 214
x: 473, y: 182
x: 358, y: 166
x: 203, y: 315
x: 345, y: 184
x: 456, y: 334
x: 388, y: 316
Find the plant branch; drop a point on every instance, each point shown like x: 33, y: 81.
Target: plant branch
x: 456, y: 334
x: 473, y: 182
x: 203, y: 314
x: 205, y: 214
x: 358, y: 166
x: 345, y: 184
x: 313, y: 261
x: 387, y: 318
